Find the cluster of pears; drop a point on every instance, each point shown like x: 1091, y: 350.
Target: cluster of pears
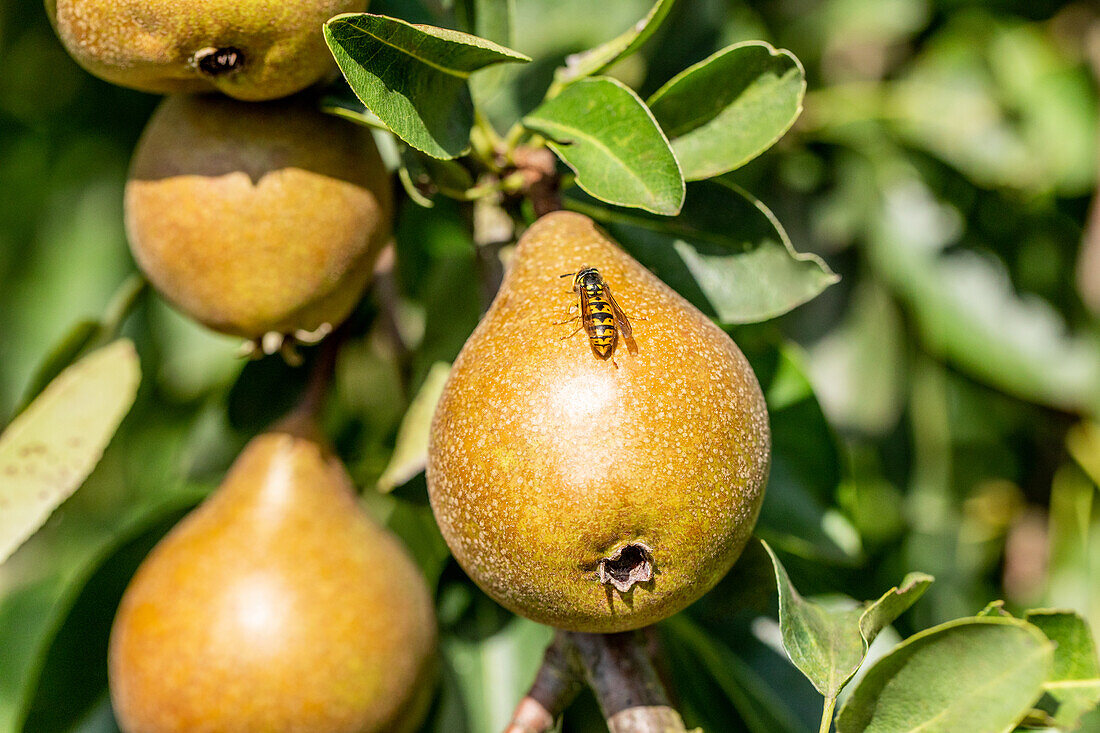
x: 592, y: 494
x: 278, y: 605
x: 255, y: 218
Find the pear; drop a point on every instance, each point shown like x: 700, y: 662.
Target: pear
x: 277, y: 605
x: 251, y: 50
x: 257, y: 218
x: 596, y: 494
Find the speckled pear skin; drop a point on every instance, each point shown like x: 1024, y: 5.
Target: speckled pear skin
x: 544, y: 459
x: 277, y: 605
x: 253, y: 218
x: 151, y: 45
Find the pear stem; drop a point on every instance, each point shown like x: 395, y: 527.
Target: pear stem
x: 619, y: 669
x: 540, y: 167
x: 621, y: 673
x: 320, y: 379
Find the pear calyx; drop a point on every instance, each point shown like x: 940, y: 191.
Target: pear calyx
x: 218, y: 61
x: 632, y: 563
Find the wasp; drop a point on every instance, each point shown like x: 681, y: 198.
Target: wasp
x: 601, y: 317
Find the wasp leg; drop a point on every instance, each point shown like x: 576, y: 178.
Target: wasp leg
x: 563, y: 338
x: 568, y: 320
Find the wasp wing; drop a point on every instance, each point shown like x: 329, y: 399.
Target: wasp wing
x: 620, y: 318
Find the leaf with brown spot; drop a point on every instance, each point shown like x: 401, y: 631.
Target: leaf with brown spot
x: 49, y: 449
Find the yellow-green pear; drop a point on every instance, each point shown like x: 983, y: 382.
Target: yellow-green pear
x: 251, y: 49
x: 257, y: 218
x: 596, y: 494
x: 277, y: 605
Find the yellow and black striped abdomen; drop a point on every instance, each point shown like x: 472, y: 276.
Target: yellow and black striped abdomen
x: 600, y: 322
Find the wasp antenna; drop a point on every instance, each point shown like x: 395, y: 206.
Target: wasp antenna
x: 568, y: 274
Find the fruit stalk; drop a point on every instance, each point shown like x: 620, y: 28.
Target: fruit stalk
x: 621, y: 673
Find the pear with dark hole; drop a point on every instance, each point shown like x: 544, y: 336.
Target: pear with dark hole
x: 586, y: 493
x: 277, y: 605
x: 257, y: 218
x: 249, y: 49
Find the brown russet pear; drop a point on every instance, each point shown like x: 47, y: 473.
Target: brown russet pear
x: 257, y: 218
x: 248, y: 49
x: 277, y: 605
x: 586, y: 493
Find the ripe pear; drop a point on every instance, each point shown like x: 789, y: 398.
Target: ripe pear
x: 277, y: 605
x: 257, y: 218
x: 251, y: 50
x: 594, y: 494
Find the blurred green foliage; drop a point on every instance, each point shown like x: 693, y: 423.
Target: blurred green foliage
x: 931, y: 412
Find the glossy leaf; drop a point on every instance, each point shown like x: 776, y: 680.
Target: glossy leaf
x: 606, y: 134
x: 980, y: 675
x: 726, y: 252
x: 410, y: 454
x: 827, y: 645
x: 1075, y: 680
x: 603, y: 56
x: 48, y: 450
x: 414, y: 77
x: 725, y: 110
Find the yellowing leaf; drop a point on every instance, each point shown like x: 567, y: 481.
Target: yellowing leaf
x: 48, y: 450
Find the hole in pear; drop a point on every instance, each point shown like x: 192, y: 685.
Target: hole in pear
x: 218, y: 61
x: 628, y: 565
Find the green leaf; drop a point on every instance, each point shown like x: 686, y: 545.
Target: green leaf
x: 72, y: 345
x: 762, y: 709
x: 73, y: 674
x: 979, y: 675
x: 726, y: 252
x: 37, y: 601
x: 966, y: 308
x: 424, y: 177
x: 1075, y: 680
x: 725, y: 110
x: 606, y: 134
x: 1083, y: 443
x: 996, y: 609
x: 858, y: 367
x: 414, y: 77
x: 352, y: 109
x: 827, y: 645
x: 805, y: 471
x: 48, y: 450
x: 84, y: 336
x: 603, y: 56
x: 410, y: 454
x: 494, y: 672
x: 492, y: 19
